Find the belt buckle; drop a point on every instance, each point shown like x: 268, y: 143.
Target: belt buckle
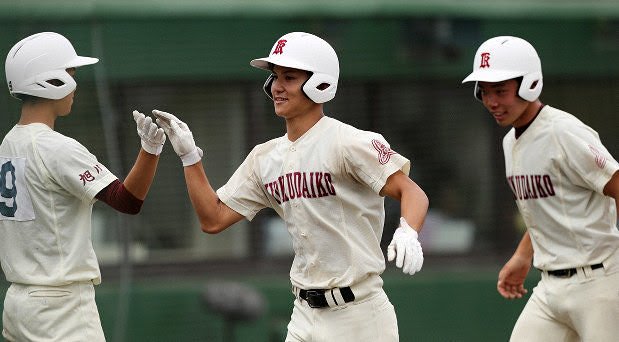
x: 566, y: 273
x: 312, y: 298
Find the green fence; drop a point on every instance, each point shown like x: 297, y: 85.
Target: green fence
x: 431, y: 306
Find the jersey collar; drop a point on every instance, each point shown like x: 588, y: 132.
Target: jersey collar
x: 521, y: 129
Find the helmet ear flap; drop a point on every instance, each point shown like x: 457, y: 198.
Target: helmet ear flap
x: 267, y: 86
x: 310, y: 87
x: 54, y: 85
x: 531, y: 86
x: 314, y: 89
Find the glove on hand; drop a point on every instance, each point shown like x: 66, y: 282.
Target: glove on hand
x: 407, y: 249
x: 152, y: 136
x: 180, y: 136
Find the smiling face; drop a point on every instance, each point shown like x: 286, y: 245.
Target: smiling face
x: 502, y: 101
x: 288, y: 97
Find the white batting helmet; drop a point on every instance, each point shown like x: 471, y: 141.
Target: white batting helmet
x: 503, y: 58
x: 305, y: 51
x: 38, y: 59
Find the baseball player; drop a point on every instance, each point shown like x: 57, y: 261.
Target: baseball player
x: 566, y: 186
x: 48, y: 185
x: 326, y: 180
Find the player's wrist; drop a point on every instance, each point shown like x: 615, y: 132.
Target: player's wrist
x: 405, y: 228
x: 192, y: 157
x: 151, y: 148
x: 412, y: 232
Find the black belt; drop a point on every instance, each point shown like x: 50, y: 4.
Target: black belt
x: 317, y: 299
x: 568, y: 272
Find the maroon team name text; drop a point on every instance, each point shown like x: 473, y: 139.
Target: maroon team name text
x: 301, y: 185
x: 531, y: 186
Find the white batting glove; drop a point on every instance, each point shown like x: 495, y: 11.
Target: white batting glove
x: 180, y: 136
x: 405, y: 249
x: 151, y: 135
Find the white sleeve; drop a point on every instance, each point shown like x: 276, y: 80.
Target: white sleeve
x: 74, y: 168
x: 244, y: 192
x: 369, y: 158
x: 589, y: 162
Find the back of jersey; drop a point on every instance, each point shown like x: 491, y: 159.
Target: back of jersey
x: 45, y: 224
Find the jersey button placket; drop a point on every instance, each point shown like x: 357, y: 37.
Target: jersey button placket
x: 517, y: 171
x: 291, y: 158
x: 291, y: 168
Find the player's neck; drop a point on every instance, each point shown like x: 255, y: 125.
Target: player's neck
x: 38, y: 112
x: 529, y: 114
x: 298, y: 125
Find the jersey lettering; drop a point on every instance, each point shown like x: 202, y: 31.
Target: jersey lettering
x: 527, y: 187
x: 86, y: 177
x: 15, y: 202
x: 7, y: 175
x: 312, y: 184
x: 291, y: 191
x: 281, y: 186
x: 301, y: 185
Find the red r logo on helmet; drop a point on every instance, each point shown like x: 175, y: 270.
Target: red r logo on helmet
x: 485, y: 57
x: 280, y: 47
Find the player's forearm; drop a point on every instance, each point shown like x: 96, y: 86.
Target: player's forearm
x: 525, y: 247
x: 413, y: 200
x: 204, y: 199
x: 141, y: 176
x: 414, y: 206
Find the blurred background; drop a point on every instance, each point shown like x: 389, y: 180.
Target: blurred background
x: 402, y: 62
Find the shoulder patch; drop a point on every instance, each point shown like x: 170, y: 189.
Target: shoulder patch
x: 384, y: 152
x: 600, y: 159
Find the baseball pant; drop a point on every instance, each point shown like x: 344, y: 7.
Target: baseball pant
x: 370, y: 319
x: 583, y: 307
x: 51, y: 313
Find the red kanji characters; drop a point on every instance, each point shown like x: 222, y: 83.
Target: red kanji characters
x: 86, y: 177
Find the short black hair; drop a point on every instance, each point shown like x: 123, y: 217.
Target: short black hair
x: 25, y: 98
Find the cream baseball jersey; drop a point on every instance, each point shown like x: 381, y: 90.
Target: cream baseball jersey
x: 48, y: 183
x: 557, y: 170
x: 325, y: 187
